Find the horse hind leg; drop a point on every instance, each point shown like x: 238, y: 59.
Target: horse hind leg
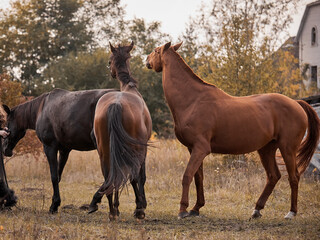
x: 113, y: 206
x: 139, y: 211
x: 93, y: 207
x: 268, y: 160
x: 63, y: 157
x: 289, y: 158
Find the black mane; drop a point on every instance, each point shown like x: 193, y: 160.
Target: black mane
x: 120, y: 59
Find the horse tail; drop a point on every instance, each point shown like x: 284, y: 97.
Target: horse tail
x: 126, y: 156
x: 310, y: 142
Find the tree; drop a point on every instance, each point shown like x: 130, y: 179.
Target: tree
x: 238, y: 40
x: 104, y: 20
x: 147, y: 37
x: 79, y: 72
x: 37, y: 32
x: 10, y: 92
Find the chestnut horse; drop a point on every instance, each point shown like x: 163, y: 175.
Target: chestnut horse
x: 208, y: 120
x: 122, y: 128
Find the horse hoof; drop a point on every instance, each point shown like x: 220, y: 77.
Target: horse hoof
x: 92, y: 209
x: 256, y: 214
x: 53, y: 210
x: 290, y: 215
x: 183, y: 215
x: 193, y: 213
x: 139, y: 214
x: 11, y: 200
x: 112, y: 217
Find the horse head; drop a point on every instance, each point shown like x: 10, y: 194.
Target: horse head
x: 119, y: 59
x: 16, y: 131
x: 154, y: 59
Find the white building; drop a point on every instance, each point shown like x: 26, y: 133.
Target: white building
x: 309, y: 43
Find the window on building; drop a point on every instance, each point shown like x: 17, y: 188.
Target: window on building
x: 314, y: 71
x: 313, y: 36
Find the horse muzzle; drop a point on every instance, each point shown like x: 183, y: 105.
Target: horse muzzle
x: 7, y: 152
x: 148, y: 65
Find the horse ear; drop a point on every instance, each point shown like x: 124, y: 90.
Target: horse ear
x: 6, y: 109
x: 166, y: 46
x: 176, y: 47
x: 112, y: 48
x: 130, y: 47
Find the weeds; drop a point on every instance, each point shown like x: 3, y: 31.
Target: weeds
x: 232, y: 186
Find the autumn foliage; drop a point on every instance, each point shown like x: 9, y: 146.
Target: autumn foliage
x: 11, y: 95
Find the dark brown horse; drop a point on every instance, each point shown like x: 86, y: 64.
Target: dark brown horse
x: 207, y: 120
x: 63, y: 121
x: 122, y: 128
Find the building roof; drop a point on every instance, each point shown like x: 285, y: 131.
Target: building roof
x: 312, y: 99
x: 304, y: 17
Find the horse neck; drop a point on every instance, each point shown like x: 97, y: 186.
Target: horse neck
x: 127, y: 83
x: 26, y: 113
x: 182, y: 87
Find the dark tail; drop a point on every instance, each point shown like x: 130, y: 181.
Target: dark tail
x: 310, y: 143
x: 126, y: 153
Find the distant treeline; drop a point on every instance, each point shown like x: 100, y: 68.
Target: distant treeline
x: 46, y: 44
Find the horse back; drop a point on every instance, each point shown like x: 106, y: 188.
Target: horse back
x: 67, y: 118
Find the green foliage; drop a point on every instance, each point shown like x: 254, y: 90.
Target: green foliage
x: 35, y: 33
x: 150, y: 87
x: 79, y: 72
x: 146, y: 37
x: 38, y: 32
x: 64, y: 43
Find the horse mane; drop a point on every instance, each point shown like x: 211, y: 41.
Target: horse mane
x: 121, y: 58
x: 186, y: 67
x: 126, y: 79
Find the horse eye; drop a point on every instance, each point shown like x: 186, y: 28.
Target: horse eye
x: 109, y: 62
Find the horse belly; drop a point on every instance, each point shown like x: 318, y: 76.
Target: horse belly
x: 240, y: 140
x: 238, y: 147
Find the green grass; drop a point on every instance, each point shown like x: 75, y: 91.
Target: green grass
x: 232, y: 187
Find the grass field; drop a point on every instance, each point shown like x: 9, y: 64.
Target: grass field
x: 232, y: 186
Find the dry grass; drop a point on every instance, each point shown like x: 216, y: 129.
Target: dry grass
x: 231, y: 188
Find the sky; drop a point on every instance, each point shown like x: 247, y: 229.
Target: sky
x: 174, y: 14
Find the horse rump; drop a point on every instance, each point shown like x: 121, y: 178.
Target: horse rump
x: 127, y: 154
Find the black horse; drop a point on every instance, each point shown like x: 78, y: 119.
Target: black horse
x: 63, y: 121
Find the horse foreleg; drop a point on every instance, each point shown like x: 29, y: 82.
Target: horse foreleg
x: 198, y: 180
x: 199, y: 152
x: 63, y: 157
x: 51, y: 153
x: 142, y: 181
x: 268, y: 160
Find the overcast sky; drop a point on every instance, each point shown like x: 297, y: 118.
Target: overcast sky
x: 174, y: 14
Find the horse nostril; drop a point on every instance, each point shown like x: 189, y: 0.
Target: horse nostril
x: 148, y: 65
